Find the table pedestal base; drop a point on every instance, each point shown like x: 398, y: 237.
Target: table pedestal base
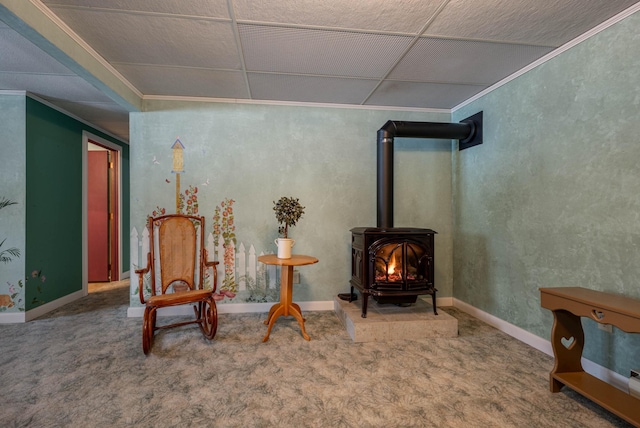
x: 282, y: 309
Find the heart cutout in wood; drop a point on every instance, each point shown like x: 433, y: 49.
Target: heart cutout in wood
x: 568, y: 343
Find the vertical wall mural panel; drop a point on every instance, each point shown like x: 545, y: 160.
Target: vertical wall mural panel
x: 239, y: 273
x: 8, y: 254
x: 12, y: 203
x: 232, y: 161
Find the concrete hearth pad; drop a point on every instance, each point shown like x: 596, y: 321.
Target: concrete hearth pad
x: 392, y: 322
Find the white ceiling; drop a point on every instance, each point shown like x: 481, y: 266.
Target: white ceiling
x: 396, y: 53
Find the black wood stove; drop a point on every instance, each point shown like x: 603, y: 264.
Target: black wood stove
x: 394, y: 264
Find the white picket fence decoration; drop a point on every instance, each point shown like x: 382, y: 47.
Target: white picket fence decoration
x: 245, y: 263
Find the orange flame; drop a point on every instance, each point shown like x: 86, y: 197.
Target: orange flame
x: 391, y: 270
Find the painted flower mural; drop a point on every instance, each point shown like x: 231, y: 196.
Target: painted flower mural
x: 15, y: 296
x: 16, y: 293
x: 189, y: 201
x: 224, y: 228
x: 222, y: 238
x: 7, y: 254
x: 159, y: 211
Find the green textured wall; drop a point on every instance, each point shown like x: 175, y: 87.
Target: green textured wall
x: 324, y: 156
x: 551, y: 198
x: 12, y: 187
x: 54, y: 202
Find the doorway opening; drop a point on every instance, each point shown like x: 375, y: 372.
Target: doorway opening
x: 101, y: 211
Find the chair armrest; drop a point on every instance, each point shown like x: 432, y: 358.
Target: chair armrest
x: 210, y: 264
x: 206, y: 261
x: 140, y: 273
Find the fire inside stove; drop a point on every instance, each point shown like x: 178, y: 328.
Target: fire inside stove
x: 399, y: 262
x: 392, y: 265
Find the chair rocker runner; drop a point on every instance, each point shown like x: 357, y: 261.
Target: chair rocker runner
x: 179, y: 242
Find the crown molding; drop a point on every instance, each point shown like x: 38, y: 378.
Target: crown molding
x: 84, y: 45
x: 288, y: 103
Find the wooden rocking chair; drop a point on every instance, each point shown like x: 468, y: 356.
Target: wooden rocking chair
x: 181, y: 252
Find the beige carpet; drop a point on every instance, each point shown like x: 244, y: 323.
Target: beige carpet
x: 83, y: 366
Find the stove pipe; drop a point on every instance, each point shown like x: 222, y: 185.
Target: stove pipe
x: 467, y: 130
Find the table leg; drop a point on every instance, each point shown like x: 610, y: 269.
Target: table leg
x: 271, y: 312
x: 272, y: 320
x: 297, y: 314
x: 295, y: 305
x: 567, y: 340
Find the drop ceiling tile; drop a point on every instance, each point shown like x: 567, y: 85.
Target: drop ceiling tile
x: 319, y: 52
x: 211, y: 8
x: 309, y: 88
x: 421, y: 95
x: 543, y: 22
x: 408, y: 16
x: 153, y: 39
x: 51, y: 86
x: 20, y: 55
x: 183, y: 81
x: 328, y: 51
x: 462, y: 61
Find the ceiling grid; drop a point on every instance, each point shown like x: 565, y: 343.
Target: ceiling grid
x: 414, y: 54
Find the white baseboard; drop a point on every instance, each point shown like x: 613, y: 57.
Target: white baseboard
x: 48, y: 307
x: 615, y: 379
x: 542, y: 345
x: 12, y: 317
x: 514, y: 331
x: 232, y: 308
x: 20, y: 317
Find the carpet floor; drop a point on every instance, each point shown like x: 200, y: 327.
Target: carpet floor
x: 83, y: 366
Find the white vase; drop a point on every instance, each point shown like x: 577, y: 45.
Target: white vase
x: 284, y: 247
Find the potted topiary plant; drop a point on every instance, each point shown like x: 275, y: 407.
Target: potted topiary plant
x: 288, y: 212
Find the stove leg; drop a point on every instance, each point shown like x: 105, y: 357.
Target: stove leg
x: 433, y: 298
x: 365, y: 299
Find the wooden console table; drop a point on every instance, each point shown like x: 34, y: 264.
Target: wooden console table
x: 286, y: 306
x: 567, y: 338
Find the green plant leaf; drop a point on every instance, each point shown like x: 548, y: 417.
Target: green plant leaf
x: 4, y: 202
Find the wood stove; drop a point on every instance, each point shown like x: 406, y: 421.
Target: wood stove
x: 393, y: 265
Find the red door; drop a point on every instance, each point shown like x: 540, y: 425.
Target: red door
x: 114, y: 208
x: 98, y: 215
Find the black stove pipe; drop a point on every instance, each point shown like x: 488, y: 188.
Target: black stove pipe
x: 386, y: 134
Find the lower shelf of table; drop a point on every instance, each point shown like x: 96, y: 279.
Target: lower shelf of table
x: 611, y: 398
